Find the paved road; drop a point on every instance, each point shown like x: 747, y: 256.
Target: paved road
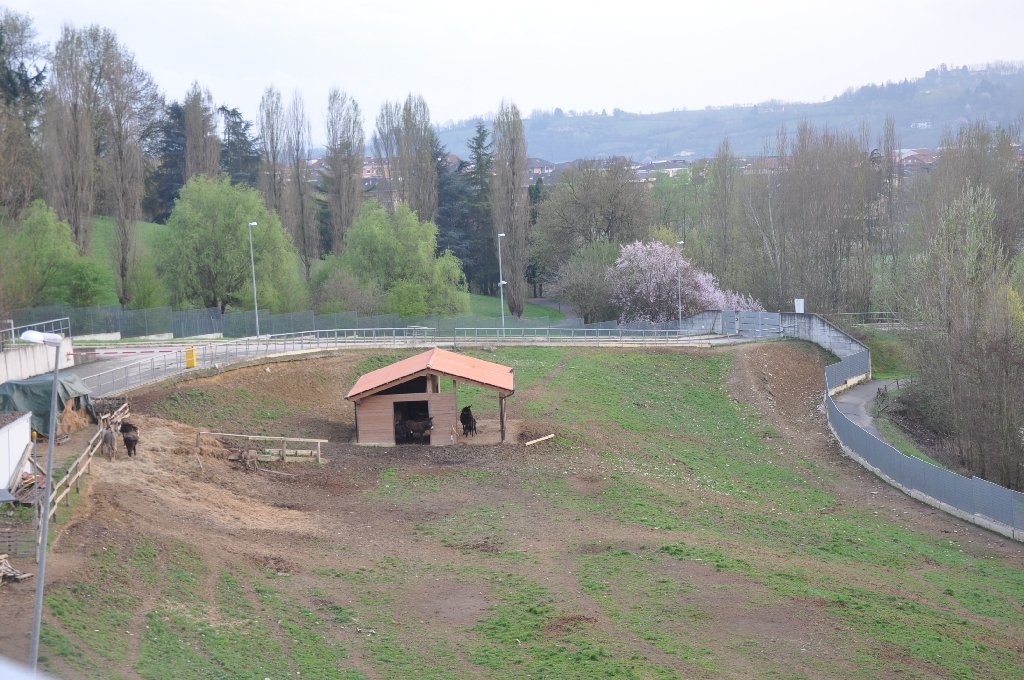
x: 858, y: 403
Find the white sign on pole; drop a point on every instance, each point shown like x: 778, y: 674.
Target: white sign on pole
x: 798, y: 305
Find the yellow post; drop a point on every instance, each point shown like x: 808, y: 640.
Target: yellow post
x: 190, y: 357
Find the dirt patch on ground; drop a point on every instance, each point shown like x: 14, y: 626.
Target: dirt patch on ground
x: 447, y: 603
x: 561, y: 625
x: 441, y: 526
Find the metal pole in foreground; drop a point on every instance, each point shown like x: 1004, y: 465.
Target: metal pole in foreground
x: 45, y: 525
x: 501, y: 287
x: 252, y: 261
x: 679, y: 284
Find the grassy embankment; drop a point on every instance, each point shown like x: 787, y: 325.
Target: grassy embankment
x: 686, y: 476
x: 490, y: 307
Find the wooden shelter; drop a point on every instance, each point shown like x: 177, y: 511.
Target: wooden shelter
x: 411, y: 389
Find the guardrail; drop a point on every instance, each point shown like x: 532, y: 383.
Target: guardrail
x: 209, y: 355
x: 871, y: 318
x: 10, y: 334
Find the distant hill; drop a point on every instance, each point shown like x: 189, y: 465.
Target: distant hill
x: 923, y: 107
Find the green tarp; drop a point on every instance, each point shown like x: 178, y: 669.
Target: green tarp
x: 34, y: 395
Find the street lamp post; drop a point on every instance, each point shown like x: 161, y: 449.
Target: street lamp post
x: 50, y: 340
x: 252, y: 262
x: 679, y: 284
x: 501, y: 286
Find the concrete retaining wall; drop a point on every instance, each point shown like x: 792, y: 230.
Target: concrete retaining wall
x: 812, y: 327
x: 708, y: 322
x: 26, y: 361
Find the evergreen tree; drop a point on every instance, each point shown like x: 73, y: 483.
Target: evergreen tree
x: 239, y: 156
x: 453, y: 216
x: 166, y: 181
x: 483, y: 275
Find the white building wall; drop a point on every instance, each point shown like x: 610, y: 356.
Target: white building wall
x: 14, y: 437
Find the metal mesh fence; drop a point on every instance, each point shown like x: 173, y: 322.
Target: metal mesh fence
x: 190, y: 323
x: 330, y: 322
x: 137, y: 323
x: 853, y: 365
x: 971, y: 495
x: 243, y: 324
x: 205, y: 322
x: 294, y: 322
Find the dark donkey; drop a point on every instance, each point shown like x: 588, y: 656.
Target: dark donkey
x: 468, y: 421
x: 419, y: 427
x: 130, y: 433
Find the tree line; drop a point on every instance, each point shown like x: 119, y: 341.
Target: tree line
x: 828, y: 215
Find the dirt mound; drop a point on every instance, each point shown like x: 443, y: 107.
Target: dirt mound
x: 563, y: 624
x: 785, y: 377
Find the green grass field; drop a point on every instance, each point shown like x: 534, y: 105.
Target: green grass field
x: 888, y: 355
x: 697, y: 518
x: 490, y: 307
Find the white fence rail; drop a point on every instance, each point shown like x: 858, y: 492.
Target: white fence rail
x: 209, y: 355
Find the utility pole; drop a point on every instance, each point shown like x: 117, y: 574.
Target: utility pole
x: 252, y: 261
x: 501, y: 287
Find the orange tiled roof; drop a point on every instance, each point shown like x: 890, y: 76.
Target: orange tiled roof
x: 441, y: 362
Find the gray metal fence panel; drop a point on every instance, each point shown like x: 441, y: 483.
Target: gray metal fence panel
x: 1018, y: 510
x: 292, y: 322
x: 95, y: 320
x: 382, y: 321
x: 189, y: 323
x: 135, y: 323
x: 993, y: 501
x: 243, y: 324
x: 853, y: 365
x: 913, y: 473
x: 339, y: 320
x: 34, y: 315
x: 760, y: 324
x: 729, y: 321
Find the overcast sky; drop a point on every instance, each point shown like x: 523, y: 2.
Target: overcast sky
x: 464, y: 57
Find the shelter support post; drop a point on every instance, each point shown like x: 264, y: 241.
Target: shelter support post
x: 501, y: 401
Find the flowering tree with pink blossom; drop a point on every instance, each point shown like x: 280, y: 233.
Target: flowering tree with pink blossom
x: 644, y: 286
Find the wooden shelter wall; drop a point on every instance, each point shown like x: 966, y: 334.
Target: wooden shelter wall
x: 376, y: 417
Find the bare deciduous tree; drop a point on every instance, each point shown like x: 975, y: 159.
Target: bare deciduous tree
x: 131, y: 104
x: 593, y: 202
x: 977, y: 156
x: 510, y: 203
x: 345, y: 155
x: 403, y: 143
x: 762, y: 199
x: 272, y: 143
x: 71, y: 125
x: 299, y: 211
x: 202, y: 146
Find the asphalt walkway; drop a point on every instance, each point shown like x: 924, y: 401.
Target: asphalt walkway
x: 858, y: 403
